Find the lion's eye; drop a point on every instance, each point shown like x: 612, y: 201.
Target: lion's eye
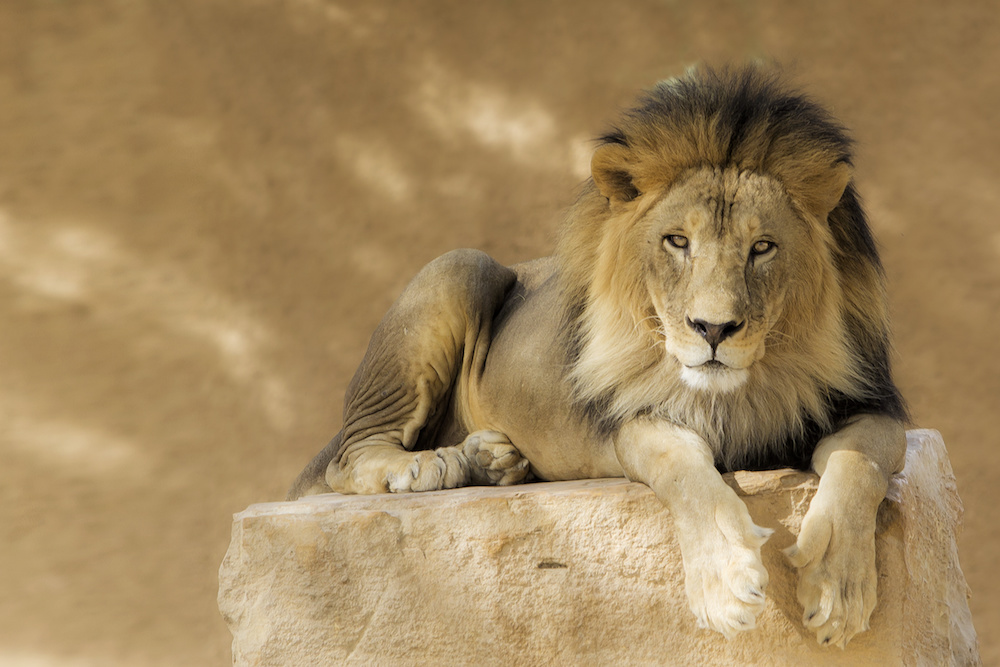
x: 761, y: 248
x: 676, y: 241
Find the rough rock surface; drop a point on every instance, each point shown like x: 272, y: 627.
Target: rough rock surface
x: 583, y: 572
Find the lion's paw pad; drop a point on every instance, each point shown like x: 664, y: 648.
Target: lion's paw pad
x: 494, y: 460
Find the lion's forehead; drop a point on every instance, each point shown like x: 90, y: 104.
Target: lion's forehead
x: 723, y: 203
x: 731, y: 184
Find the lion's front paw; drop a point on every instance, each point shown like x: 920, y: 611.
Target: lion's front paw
x: 724, y: 576
x: 837, y: 577
x: 430, y: 470
x: 493, y: 459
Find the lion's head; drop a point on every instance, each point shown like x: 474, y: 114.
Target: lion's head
x: 721, y: 270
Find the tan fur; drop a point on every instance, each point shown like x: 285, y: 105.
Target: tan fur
x: 622, y: 335
x: 621, y: 362
x: 716, y: 300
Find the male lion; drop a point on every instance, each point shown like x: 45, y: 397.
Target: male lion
x: 715, y: 303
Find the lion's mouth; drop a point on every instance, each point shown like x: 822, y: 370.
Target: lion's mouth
x: 711, y: 365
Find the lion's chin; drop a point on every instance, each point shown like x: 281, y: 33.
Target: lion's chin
x: 714, y: 377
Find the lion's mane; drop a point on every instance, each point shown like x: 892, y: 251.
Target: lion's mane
x: 811, y: 379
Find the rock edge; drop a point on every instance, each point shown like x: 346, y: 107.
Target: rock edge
x: 583, y: 572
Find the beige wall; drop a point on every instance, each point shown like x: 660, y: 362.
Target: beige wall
x: 206, y: 205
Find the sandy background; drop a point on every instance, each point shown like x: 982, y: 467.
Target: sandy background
x: 206, y: 205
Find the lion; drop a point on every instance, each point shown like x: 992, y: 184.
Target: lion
x: 715, y: 302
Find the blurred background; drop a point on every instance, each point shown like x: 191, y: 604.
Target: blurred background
x: 207, y: 205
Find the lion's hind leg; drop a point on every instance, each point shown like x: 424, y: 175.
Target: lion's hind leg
x: 436, y: 333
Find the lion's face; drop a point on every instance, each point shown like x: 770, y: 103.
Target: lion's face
x: 724, y: 252
x: 719, y: 272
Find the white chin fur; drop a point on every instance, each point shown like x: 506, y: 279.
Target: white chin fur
x: 714, y: 379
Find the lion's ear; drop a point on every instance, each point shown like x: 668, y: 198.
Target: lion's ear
x: 612, y: 173
x: 827, y: 193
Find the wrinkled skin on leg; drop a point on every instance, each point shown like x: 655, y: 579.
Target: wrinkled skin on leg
x: 407, y: 410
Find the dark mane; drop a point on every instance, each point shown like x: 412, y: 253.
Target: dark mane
x: 744, y: 119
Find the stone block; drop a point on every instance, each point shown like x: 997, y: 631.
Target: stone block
x: 571, y: 573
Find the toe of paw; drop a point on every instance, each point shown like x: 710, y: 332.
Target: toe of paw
x: 471, y: 446
x: 506, y: 459
x: 746, y: 573
x: 751, y: 595
x: 493, y: 437
x: 726, y: 613
x: 849, y: 618
x: 732, y: 621
x: 402, y: 482
x: 813, y: 618
x: 815, y: 615
x: 429, y: 475
x: 835, y: 633
x: 798, y: 557
x: 744, y: 619
x: 513, y: 474
x: 456, y: 472
x: 761, y: 535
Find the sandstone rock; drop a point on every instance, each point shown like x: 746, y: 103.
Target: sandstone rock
x: 570, y: 573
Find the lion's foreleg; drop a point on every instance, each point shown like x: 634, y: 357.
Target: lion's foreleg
x: 377, y: 468
x: 835, y: 549
x: 720, y: 544
x: 484, y: 458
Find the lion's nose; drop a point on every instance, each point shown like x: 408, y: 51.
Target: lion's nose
x: 714, y: 333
